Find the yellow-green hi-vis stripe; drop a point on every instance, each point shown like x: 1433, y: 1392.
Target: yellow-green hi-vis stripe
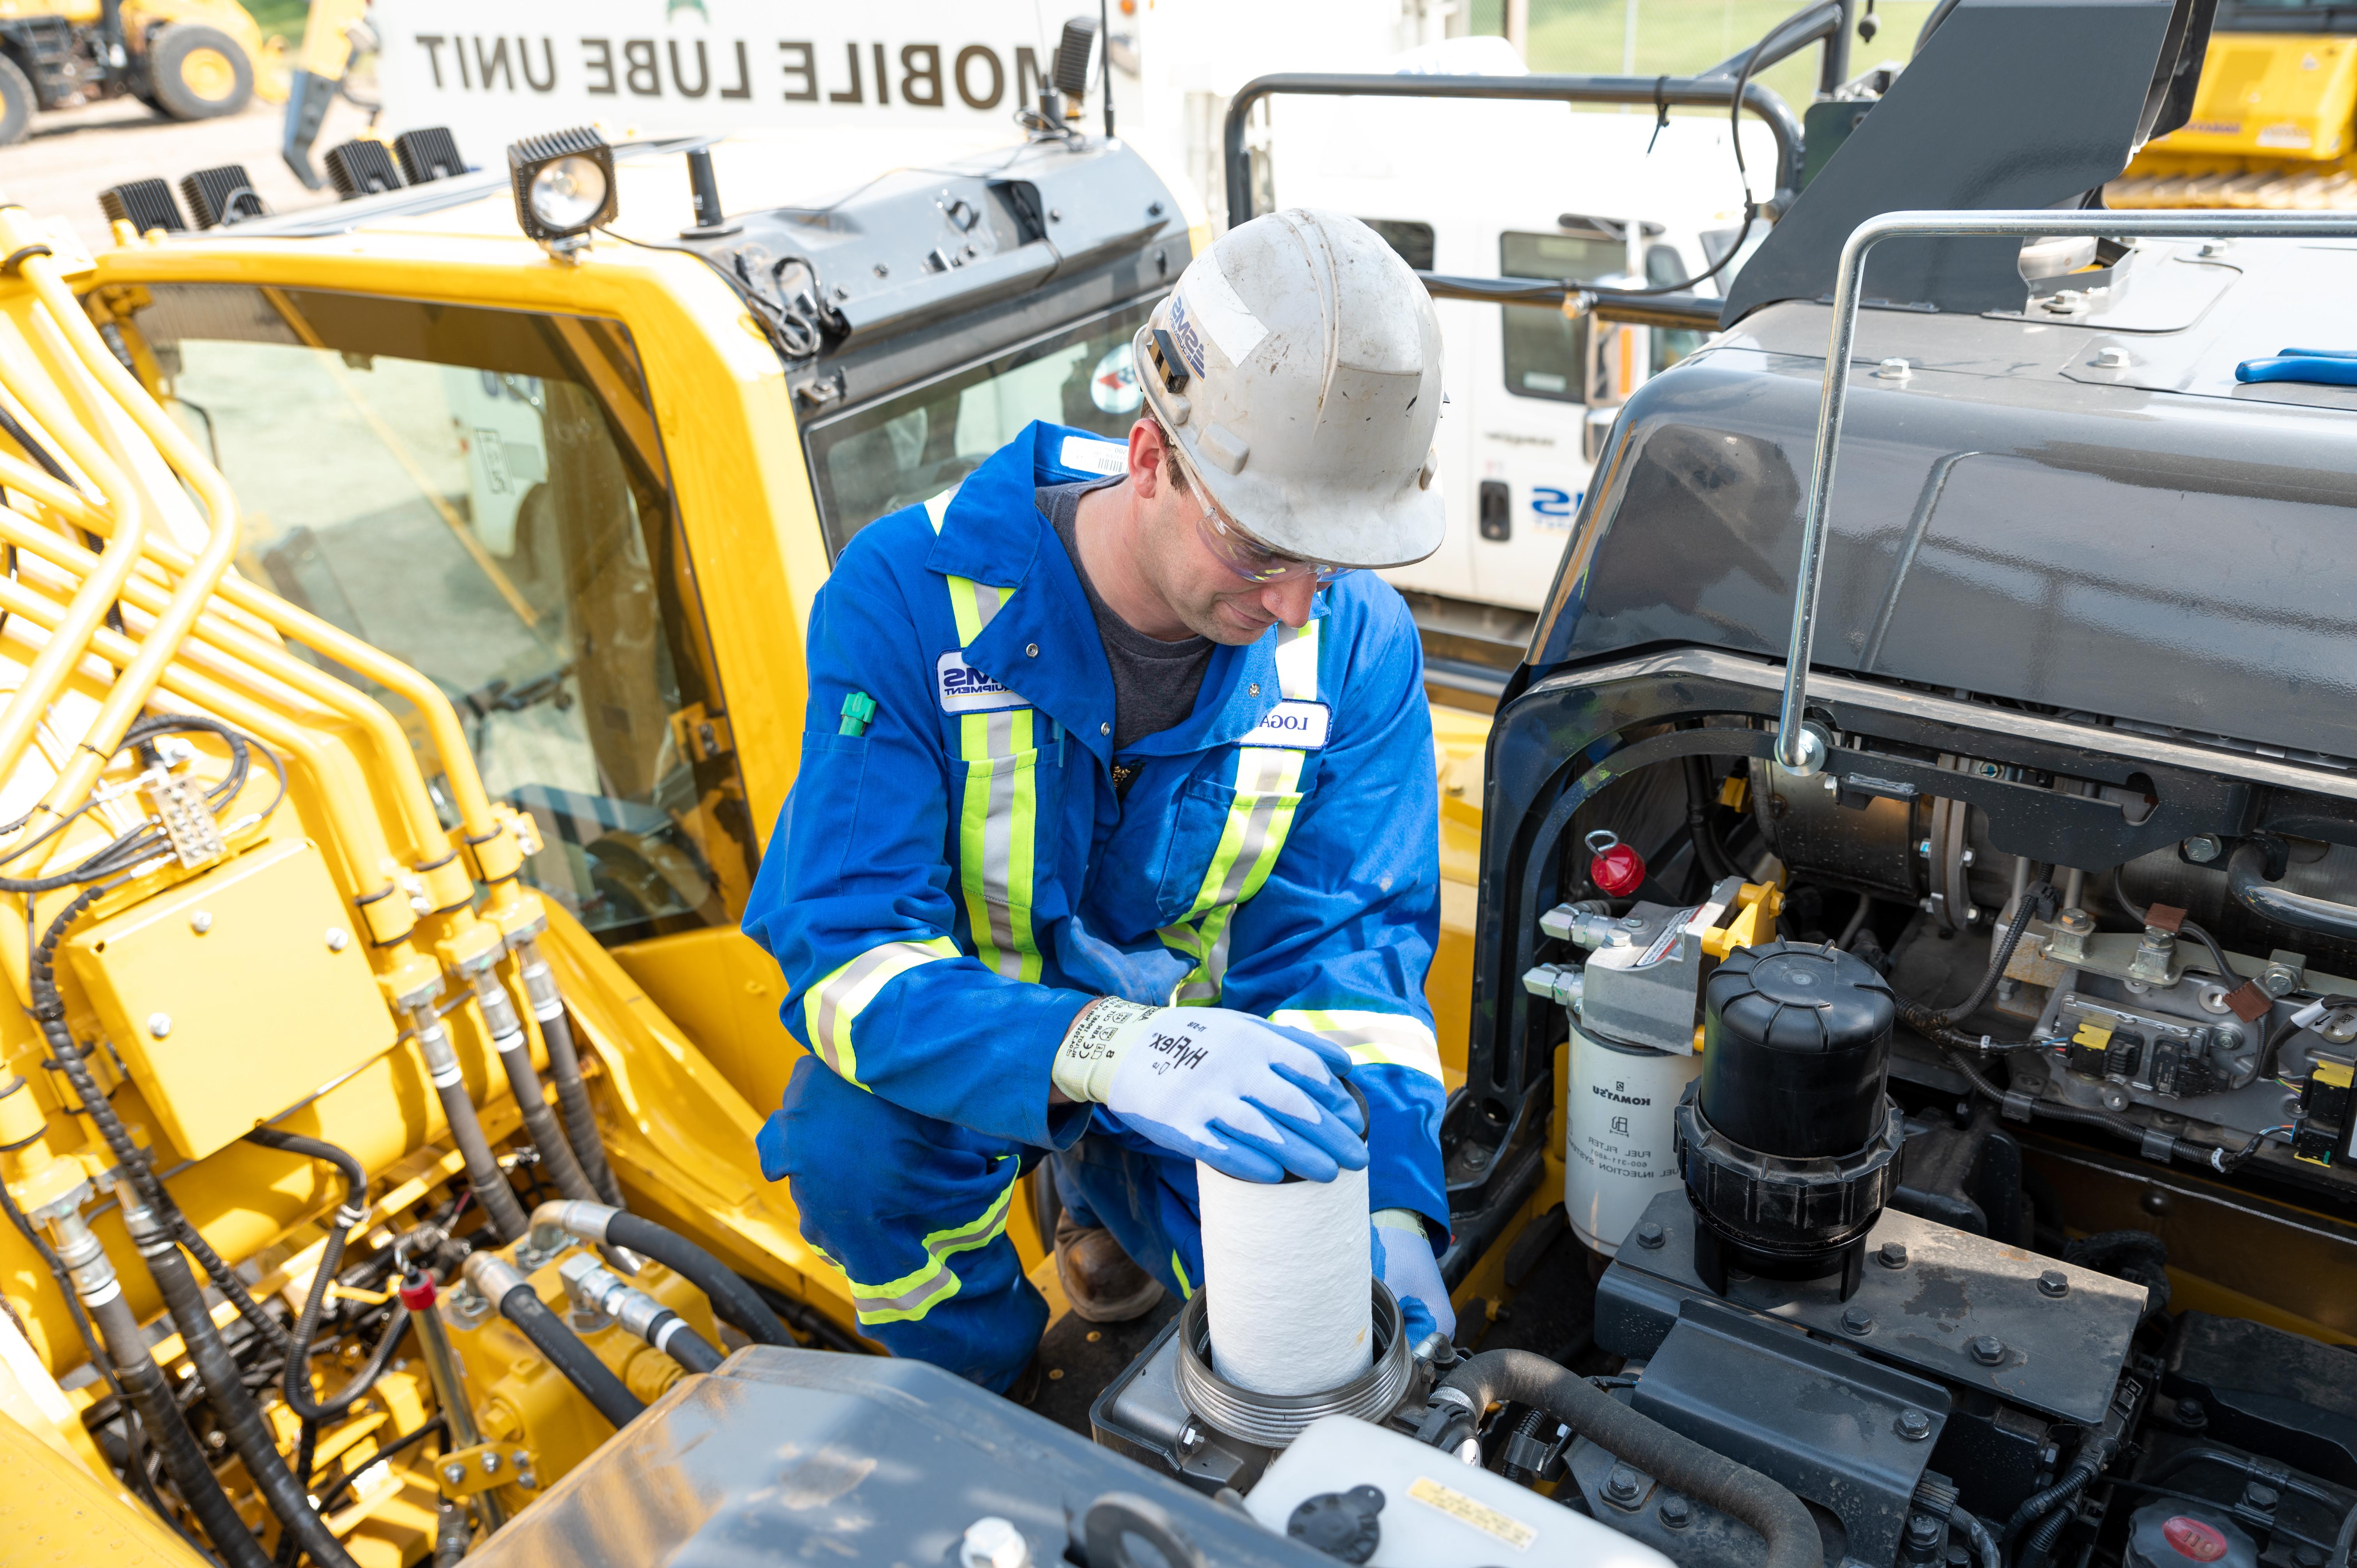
x: 1268, y: 791
x: 998, y: 812
x: 829, y: 1007
x: 918, y: 1292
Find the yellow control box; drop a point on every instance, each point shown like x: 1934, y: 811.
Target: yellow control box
x: 234, y: 995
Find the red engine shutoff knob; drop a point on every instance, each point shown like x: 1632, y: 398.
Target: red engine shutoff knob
x: 1618, y: 871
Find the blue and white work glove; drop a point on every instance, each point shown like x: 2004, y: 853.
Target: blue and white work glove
x: 1250, y: 1099
x: 1404, y: 1262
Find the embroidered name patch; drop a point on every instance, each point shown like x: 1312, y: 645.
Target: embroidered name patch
x: 1301, y: 725
x: 962, y: 689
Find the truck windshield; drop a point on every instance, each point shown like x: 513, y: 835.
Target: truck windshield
x: 481, y: 493
x: 912, y: 446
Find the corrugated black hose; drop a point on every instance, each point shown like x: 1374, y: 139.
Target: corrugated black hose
x: 249, y: 1434
x: 144, y: 1385
x: 1497, y: 1376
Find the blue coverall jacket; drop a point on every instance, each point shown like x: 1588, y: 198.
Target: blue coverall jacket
x: 951, y: 884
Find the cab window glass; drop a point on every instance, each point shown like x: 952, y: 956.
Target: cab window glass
x: 1546, y: 354
x: 912, y: 446
x: 481, y: 494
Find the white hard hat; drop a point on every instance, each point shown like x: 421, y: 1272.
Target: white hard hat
x: 1298, y: 365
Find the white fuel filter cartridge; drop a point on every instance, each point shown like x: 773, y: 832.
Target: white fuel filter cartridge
x: 1619, y: 1107
x: 1287, y: 1272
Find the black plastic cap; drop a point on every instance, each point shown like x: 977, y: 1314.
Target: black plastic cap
x: 429, y: 154
x: 362, y: 167
x: 1795, y: 1042
x: 1788, y: 996
x: 144, y: 204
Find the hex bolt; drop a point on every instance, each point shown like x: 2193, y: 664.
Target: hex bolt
x: 159, y: 1023
x: 1676, y: 1512
x: 490, y: 1461
x: 1633, y: 922
x: 2261, y: 1496
x: 1191, y: 1437
x: 1924, y: 1531
x: 338, y: 939
x: 2191, y: 1413
x: 1914, y: 1425
x: 1989, y: 1351
x: 2202, y: 848
x: 1650, y: 1234
x: 992, y: 1542
x: 1622, y: 1486
x: 2054, y: 1283
x: 454, y: 1474
x: 201, y: 922
x: 2112, y: 359
x: 1891, y: 1254
x: 1858, y: 1320
x: 527, y: 1480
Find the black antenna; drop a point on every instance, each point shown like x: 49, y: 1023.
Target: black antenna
x: 1105, y: 49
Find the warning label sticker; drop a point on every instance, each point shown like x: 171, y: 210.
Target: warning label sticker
x: 1468, y: 1510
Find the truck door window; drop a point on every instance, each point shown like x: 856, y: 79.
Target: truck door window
x: 1412, y: 240
x: 1546, y: 354
x: 912, y: 446
x: 482, y: 494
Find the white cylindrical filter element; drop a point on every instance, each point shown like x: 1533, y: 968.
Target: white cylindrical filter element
x: 1287, y: 1275
x: 1619, y: 1108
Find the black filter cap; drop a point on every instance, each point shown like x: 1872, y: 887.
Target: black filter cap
x: 1795, y: 1042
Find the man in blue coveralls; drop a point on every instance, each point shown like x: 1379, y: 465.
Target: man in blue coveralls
x: 1115, y: 839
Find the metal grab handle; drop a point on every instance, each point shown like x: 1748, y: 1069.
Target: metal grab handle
x: 1798, y: 749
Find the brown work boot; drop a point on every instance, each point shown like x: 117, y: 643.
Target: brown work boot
x: 1100, y: 1280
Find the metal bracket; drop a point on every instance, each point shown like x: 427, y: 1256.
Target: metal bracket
x: 464, y: 1471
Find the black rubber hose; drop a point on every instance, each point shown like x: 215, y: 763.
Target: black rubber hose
x: 298, y: 1379
x: 1495, y: 1377
x: 573, y: 1099
x: 731, y: 1297
x: 1930, y: 1022
x: 1977, y: 1530
x: 144, y: 1387
x: 224, y: 1386
x: 2039, y: 1545
x: 670, y: 1334
x: 555, y: 1148
x: 523, y: 1306
x: 2094, y: 1454
x: 804, y: 1318
x: 484, y: 1177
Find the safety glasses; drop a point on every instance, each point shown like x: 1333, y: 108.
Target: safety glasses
x: 1255, y: 563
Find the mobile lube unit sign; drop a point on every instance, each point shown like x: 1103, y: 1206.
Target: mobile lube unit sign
x: 500, y: 69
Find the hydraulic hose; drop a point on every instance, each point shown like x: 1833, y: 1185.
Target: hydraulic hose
x: 500, y: 1281
x: 484, y: 1177
x: 731, y: 1297
x: 224, y: 1387
x: 601, y: 1290
x: 353, y: 1214
x: 565, y: 1067
x: 1496, y: 1377
x: 148, y: 1393
x: 515, y: 1054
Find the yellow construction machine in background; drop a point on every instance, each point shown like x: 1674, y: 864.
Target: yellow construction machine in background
x: 400, y: 630
x: 2275, y: 122
x: 191, y: 59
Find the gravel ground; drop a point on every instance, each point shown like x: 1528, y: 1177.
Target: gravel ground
x: 74, y: 154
